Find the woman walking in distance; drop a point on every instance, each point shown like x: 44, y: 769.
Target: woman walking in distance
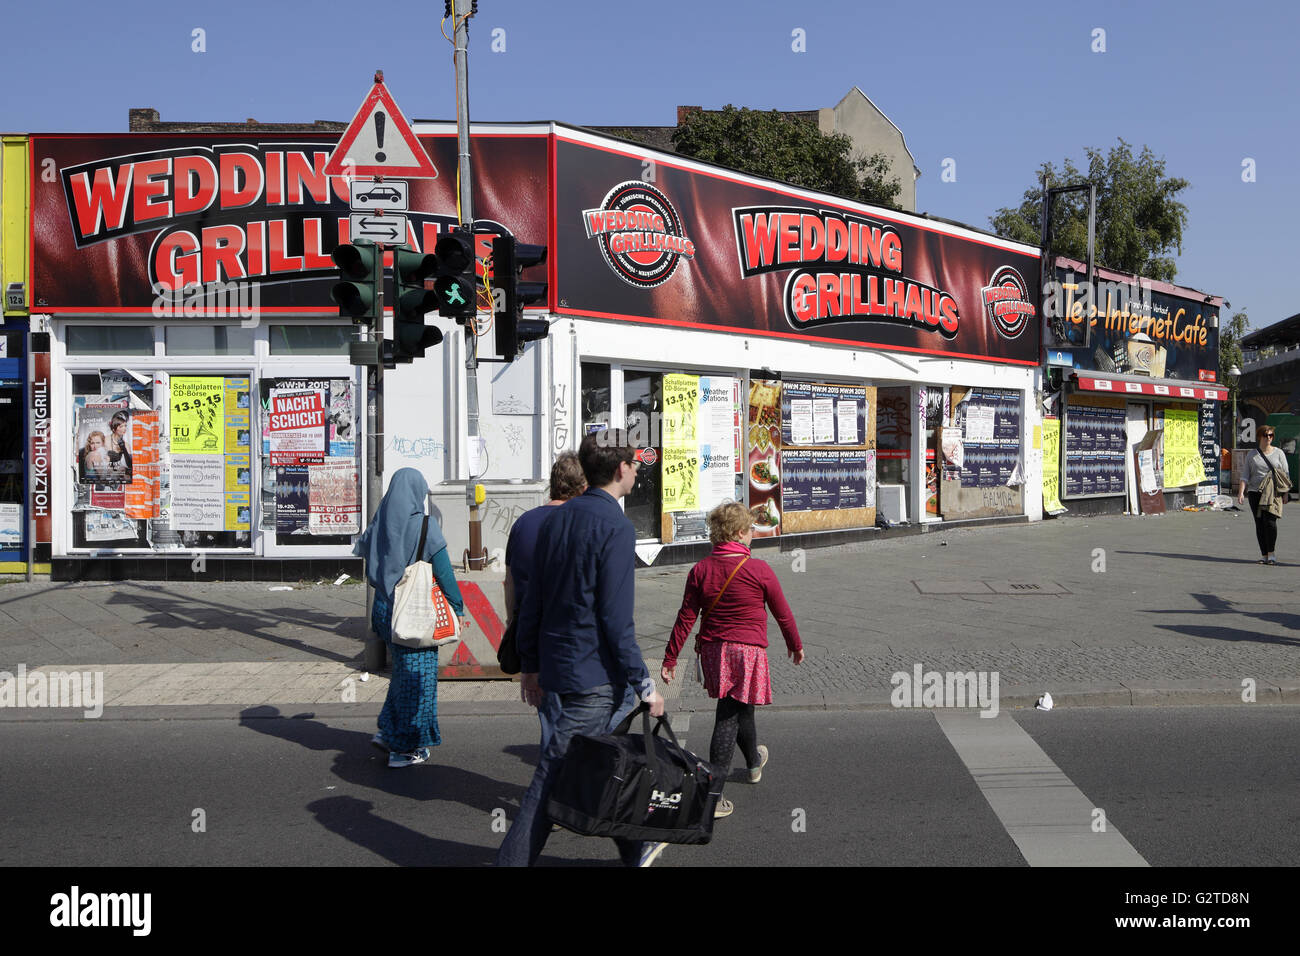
x: 1261, y: 464
x: 733, y: 592
x: 408, y: 724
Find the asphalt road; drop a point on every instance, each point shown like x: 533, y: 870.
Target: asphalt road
x: 1177, y: 786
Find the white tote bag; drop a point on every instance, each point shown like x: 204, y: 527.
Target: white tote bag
x: 422, y: 615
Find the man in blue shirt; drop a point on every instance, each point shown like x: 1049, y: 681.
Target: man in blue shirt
x: 576, y: 634
x: 567, y: 481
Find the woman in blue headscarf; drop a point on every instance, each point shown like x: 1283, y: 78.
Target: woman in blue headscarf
x: 408, y: 724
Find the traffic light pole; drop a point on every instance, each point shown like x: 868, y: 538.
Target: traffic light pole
x: 376, y: 652
x: 461, y: 11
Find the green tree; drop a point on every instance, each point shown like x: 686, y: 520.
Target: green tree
x: 1230, y: 335
x: 790, y: 149
x: 1139, y: 218
x: 1231, y: 332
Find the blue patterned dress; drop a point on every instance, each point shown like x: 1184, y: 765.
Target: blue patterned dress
x: 389, y: 544
x: 409, y: 719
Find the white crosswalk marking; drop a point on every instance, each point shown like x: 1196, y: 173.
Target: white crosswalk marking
x: 1048, y: 817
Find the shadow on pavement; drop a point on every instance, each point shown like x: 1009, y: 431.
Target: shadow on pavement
x: 529, y: 754
x: 1192, y: 556
x: 169, y: 613
x: 1213, y: 604
x: 360, y: 763
x: 356, y: 821
x: 1230, y: 634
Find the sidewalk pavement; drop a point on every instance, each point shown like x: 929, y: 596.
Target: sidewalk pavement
x: 1098, y: 611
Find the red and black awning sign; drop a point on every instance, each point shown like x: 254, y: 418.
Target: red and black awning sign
x: 1191, y: 393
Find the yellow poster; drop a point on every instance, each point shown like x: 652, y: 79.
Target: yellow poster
x: 197, y: 416
x: 681, y: 445
x: 1183, y: 464
x: 681, y: 481
x: 1052, y: 466
x: 237, y: 436
x: 239, y: 475
x: 239, y: 513
x: 681, y: 410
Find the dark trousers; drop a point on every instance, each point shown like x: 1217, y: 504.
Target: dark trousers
x: 1265, y: 526
x: 586, y: 713
x: 733, y: 722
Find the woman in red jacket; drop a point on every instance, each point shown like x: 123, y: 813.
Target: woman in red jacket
x: 733, y: 591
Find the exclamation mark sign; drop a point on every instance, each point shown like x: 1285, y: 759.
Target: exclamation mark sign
x: 379, y: 136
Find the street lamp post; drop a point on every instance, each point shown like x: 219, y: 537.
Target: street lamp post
x: 1234, y: 374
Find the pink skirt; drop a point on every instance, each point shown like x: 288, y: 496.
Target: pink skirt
x: 738, y: 671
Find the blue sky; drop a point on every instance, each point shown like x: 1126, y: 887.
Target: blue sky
x: 997, y: 87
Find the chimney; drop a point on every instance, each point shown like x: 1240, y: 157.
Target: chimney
x: 683, y: 110
x: 141, y: 120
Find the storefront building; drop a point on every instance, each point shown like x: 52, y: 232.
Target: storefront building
x: 828, y: 363
x: 1136, y: 407
x: 15, y: 435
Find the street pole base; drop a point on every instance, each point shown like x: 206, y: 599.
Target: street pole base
x: 376, y: 658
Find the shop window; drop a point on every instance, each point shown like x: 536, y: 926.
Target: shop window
x: 310, y: 339
x: 643, y: 402
x: 126, y: 496
x: 595, y: 397
x: 894, y: 437
x: 311, y: 465
x: 209, y: 340
x: 110, y: 340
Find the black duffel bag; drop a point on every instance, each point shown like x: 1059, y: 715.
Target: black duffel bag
x: 635, y: 786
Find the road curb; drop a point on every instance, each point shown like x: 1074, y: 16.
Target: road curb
x: 1190, y: 693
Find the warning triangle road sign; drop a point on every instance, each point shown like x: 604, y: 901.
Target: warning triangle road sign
x: 380, y: 142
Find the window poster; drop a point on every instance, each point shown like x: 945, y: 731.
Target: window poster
x: 1052, y: 466
x: 11, y: 521
x: 983, y: 447
x: 342, y: 419
x: 827, y: 479
x: 818, y: 413
x: 310, y: 473
x: 716, y: 429
x: 1209, y: 445
x: 681, y: 446
x: 292, y: 499
x: 763, y: 460
x: 144, y: 493
x: 1183, y: 464
x: 297, y: 425
x: 1094, y: 441
x: 197, y: 410
x: 104, y: 444
x: 334, y: 497
x: 198, y: 493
